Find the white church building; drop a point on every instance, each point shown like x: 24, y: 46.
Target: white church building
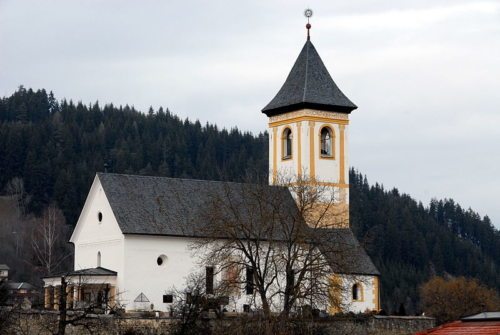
x: 132, y: 239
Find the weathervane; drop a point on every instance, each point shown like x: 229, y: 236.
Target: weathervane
x: 308, y: 13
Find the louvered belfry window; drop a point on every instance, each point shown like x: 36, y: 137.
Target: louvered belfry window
x: 326, y: 142
x: 287, y: 143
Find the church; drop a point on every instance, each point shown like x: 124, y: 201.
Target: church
x: 133, y: 239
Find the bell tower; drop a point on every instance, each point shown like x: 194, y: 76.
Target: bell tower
x: 308, y: 129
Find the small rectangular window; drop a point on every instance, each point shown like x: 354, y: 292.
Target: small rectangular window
x: 209, y: 278
x: 249, y: 280
x: 168, y: 298
x: 290, y: 278
x: 246, y: 308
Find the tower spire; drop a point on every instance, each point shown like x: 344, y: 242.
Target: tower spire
x: 308, y: 13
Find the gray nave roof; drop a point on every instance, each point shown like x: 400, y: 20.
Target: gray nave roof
x: 176, y: 206
x: 146, y: 205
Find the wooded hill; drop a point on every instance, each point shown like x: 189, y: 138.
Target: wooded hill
x: 56, y: 147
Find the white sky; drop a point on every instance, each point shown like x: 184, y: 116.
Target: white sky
x: 425, y: 74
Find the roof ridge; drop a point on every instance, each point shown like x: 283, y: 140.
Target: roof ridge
x: 186, y: 179
x: 307, y: 68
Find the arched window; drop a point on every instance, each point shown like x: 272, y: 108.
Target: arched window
x: 98, y: 259
x: 326, y: 142
x: 357, y: 292
x: 287, y: 143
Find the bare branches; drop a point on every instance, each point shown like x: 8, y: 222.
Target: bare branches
x: 284, y: 234
x: 47, y: 241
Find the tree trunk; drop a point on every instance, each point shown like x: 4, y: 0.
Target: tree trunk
x: 61, y: 329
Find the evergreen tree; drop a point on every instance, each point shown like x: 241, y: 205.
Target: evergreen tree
x: 57, y: 147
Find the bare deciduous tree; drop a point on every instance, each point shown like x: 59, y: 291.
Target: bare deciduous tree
x: 451, y: 299
x: 82, y: 312
x: 286, y: 245
x: 48, y: 241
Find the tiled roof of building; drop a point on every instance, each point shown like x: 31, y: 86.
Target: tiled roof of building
x: 309, y: 85
x: 487, y: 323
x: 465, y: 328
x: 4, y: 267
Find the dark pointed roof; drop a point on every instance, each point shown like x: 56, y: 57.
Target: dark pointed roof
x: 309, y: 85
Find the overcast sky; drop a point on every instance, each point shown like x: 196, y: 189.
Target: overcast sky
x: 425, y: 74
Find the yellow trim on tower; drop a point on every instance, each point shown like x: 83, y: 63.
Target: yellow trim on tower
x: 322, y: 183
x: 342, y: 155
x: 312, y: 173
x: 275, y: 155
x: 308, y: 118
x: 376, y: 293
x: 299, y: 149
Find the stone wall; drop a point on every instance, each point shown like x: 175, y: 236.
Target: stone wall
x: 43, y: 322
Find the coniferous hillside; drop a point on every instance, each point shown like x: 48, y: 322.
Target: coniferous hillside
x: 409, y: 243
x: 56, y: 148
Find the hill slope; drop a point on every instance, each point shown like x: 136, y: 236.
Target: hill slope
x: 409, y: 242
x: 57, y: 147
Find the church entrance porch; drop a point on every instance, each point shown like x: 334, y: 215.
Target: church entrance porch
x: 90, y: 289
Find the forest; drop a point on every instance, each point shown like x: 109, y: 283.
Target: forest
x: 51, y: 150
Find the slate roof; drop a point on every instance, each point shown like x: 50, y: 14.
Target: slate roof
x: 178, y: 207
x: 346, y: 256
x: 484, y: 316
x: 175, y: 206
x: 98, y: 271
x: 309, y: 85
x: 4, y: 267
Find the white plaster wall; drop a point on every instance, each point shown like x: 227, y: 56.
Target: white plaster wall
x: 285, y: 167
x: 134, y: 258
x: 143, y: 275
x: 368, y: 302
x: 326, y: 170
x: 91, y: 236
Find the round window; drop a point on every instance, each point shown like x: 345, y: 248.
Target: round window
x: 99, y: 217
x: 161, y: 260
